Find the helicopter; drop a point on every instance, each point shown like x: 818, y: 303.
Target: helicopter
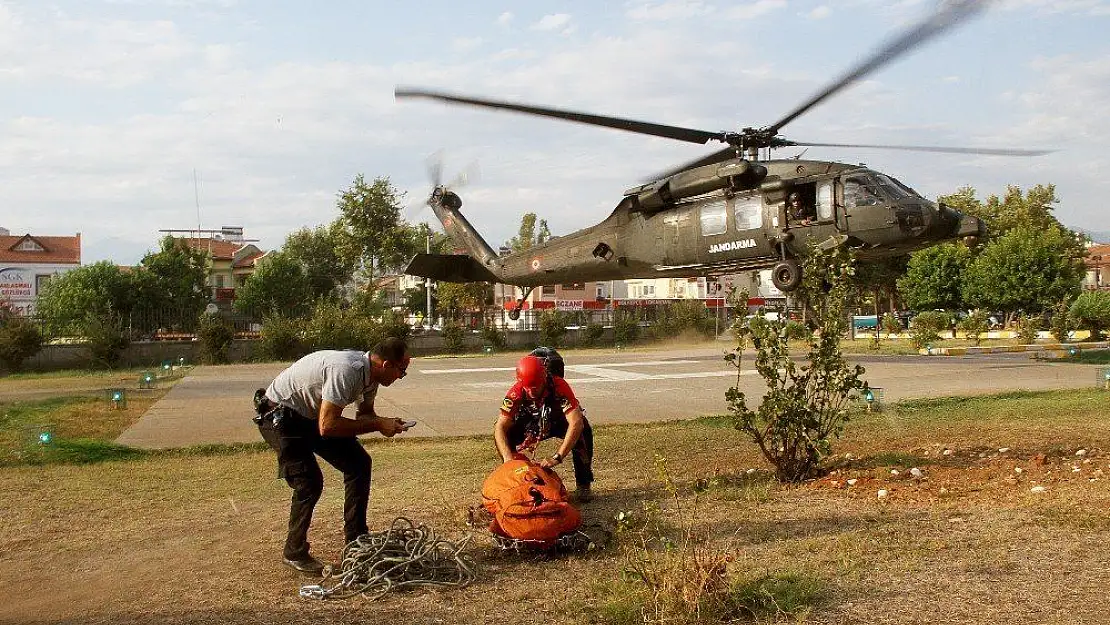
x: 728, y: 211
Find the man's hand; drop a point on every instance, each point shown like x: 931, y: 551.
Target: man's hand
x: 549, y: 463
x: 388, y: 427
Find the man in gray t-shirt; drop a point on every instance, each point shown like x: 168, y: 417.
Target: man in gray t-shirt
x: 300, y: 415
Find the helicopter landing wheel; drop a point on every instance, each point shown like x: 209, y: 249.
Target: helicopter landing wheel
x: 514, y: 314
x: 786, y: 275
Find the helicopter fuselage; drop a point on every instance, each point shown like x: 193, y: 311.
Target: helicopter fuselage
x: 742, y: 224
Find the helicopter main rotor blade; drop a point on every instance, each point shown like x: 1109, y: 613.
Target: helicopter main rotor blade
x: 645, y: 128
x: 948, y: 15
x: 719, y: 156
x: 928, y: 148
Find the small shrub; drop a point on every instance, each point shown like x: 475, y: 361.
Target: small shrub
x: 891, y: 325
x: 394, y: 327
x: 975, y: 325
x: 593, y: 333
x: 1061, y: 324
x: 553, y: 328
x: 795, y: 331
x: 1091, y: 311
x: 214, y: 336
x: 626, y: 327
x: 453, y: 336
x: 776, y: 596
x: 805, y: 405
x: 105, y: 338
x: 493, y: 336
x: 19, y: 340
x: 673, y: 572
x: 1027, y: 328
x: 282, y: 339
x: 927, y: 326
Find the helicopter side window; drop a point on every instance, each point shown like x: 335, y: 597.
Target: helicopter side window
x: 748, y: 213
x: 859, y: 192
x: 713, y: 218
x: 825, y: 201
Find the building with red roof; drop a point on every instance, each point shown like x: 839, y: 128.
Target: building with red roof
x: 28, y: 261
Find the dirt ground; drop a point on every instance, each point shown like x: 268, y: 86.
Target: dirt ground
x: 196, y: 538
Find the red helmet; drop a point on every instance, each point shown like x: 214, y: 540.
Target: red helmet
x: 531, y: 374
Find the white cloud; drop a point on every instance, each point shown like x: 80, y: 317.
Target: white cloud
x: 555, y: 22
x: 819, y: 13
x: 98, y: 51
x: 466, y: 44
x: 176, y: 4
x: 752, y: 10
x: 1087, y: 7
x: 667, y: 10
x: 505, y: 19
x: 951, y: 79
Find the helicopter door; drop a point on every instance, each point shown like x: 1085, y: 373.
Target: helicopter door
x: 678, y: 237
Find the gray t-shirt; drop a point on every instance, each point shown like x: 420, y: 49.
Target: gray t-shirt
x: 341, y: 377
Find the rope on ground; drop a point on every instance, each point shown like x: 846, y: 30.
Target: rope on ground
x: 406, y: 555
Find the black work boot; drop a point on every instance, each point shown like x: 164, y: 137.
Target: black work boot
x: 305, y: 564
x: 583, y: 494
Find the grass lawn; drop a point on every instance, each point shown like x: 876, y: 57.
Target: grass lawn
x: 1092, y: 357
x: 194, y: 536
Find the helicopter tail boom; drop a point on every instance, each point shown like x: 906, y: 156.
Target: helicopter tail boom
x: 449, y: 268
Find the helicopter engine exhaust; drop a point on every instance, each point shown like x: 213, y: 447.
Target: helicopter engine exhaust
x: 655, y: 196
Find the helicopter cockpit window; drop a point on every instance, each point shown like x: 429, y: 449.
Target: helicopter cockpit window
x: 825, y: 201
x: 860, y: 191
x: 713, y: 218
x: 890, y: 188
x: 749, y: 213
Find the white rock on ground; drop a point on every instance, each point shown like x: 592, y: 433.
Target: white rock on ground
x: 1037, y: 489
x: 918, y: 473
x: 852, y: 482
x: 883, y: 493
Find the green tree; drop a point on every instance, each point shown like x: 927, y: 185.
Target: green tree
x: 530, y: 234
x: 454, y: 297
x: 100, y: 289
x: 371, y: 228
x: 1033, y: 209
x: 276, y: 288
x: 879, y: 280
x: 416, y: 300
x: 173, y: 280
x: 1026, y: 269
x: 327, y: 261
x: 934, y: 277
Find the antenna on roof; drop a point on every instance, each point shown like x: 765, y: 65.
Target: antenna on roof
x: 196, y: 198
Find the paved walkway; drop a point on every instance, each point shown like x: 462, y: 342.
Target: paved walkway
x: 461, y: 396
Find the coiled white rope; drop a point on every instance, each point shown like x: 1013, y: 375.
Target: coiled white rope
x: 406, y: 555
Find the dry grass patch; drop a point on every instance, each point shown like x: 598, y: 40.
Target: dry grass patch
x: 189, y: 538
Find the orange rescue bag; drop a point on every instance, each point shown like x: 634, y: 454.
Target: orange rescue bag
x: 528, y: 502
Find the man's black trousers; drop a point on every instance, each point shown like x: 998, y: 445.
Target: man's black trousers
x: 582, y: 454
x: 297, y: 442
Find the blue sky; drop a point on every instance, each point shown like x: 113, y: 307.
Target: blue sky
x: 109, y: 105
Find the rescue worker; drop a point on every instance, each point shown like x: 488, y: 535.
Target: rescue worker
x: 300, y: 415
x: 541, y: 405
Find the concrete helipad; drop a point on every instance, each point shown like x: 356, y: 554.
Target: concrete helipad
x: 461, y: 396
